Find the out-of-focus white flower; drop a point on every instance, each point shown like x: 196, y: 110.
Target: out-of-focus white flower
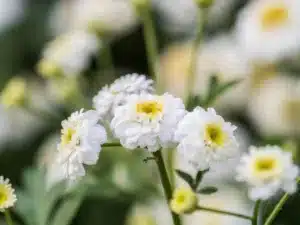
x: 69, y: 54
x: 148, y: 121
x: 270, y: 30
x: 109, y: 97
x: 205, y: 138
x: 81, y: 139
x: 180, y: 16
x: 222, y: 57
x: 274, y: 107
x: 7, y: 194
x: 11, y: 12
x: 267, y: 170
x: 103, y: 16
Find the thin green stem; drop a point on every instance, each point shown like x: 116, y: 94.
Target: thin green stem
x: 106, y: 58
x: 165, y: 183
x: 202, y: 15
x: 277, y: 209
x: 208, y: 209
x: 256, y: 212
x: 8, y: 218
x: 151, y: 45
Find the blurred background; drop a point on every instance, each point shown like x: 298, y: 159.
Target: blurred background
x: 243, y: 40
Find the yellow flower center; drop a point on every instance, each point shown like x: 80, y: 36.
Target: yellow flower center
x: 267, y: 167
x: 214, y: 135
x: 3, y: 194
x: 274, y: 16
x: 150, y: 108
x: 184, y: 201
x: 67, y: 136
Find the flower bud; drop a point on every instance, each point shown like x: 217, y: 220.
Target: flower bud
x: 184, y: 201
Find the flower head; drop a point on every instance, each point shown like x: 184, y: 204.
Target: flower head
x: 7, y: 194
x: 204, y: 137
x: 266, y: 170
x: 14, y: 93
x: 269, y: 30
x: 148, y: 121
x: 81, y: 139
x: 109, y: 97
x: 184, y: 201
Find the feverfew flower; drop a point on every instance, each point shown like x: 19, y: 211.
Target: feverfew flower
x: 7, y: 194
x: 184, y: 200
x: 267, y: 170
x: 204, y: 138
x: 68, y: 55
x: 148, y: 121
x: 270, y: 30
x: 109, y: 97
x: 14, y: 93
x: 81, y: 139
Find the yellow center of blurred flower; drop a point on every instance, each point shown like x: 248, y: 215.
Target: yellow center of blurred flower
x: 267, y: 167
x: 214, y: 135
x: 67, y: 136
x: 14, y: 93
x: 150, y: 108
x: 274, y: 16
x: 3, y: 194
x: 184, y: 201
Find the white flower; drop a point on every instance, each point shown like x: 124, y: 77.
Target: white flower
x: 114, y: 17
x: 204, y: 138
x: 68, y: 54
x: 274, y: 107
x: 267, y: 170
x: 148, y: 121
x: 7, y: 194
x: 270, y: 30
x: 81, y: 139
x: 109, y: 97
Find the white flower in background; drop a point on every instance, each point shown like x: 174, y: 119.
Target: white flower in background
x: 205, y: 138
x: 274, y: 107
x: 103, y: 16
x: 7, y: 194
x: 11, y: 12
x: 269, y: 30
x: 109, y: 97
x: 148, y: 121
x: 69, y: 54
x: 180, y: 16
x: 223, y: 58
x: 81, y: 139
x: 267, y: 170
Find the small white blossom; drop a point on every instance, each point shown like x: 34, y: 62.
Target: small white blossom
x: 81, y: 139
x: 267, y: 170
x: 7, y: 194
x: 269, y: 30
x: 109, y: 97
x: 148, y: 121
x: 204, y: 138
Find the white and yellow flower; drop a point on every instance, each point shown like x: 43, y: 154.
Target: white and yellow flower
x: 109, y: 97
x: 270, y: 30
x: 148, y: 121
x: 205, y: 138
x: 68, y: 55
x: 7, y: 194
x: 81, y: 139
x: 267, y: 170
x: 184, y: 200
x: 14, y: 93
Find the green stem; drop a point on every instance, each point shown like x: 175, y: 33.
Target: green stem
x: 8, y: 217
x: 208, y: 209
x: 165, y: 183
x: 277, y: 209
x: 256, y: 212
x: 202, y: 15
x: 106, y: 58
x: 113, y: 144
x: 151, y: 45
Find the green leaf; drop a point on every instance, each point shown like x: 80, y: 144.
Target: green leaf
x: 225, y: 87
x: 208, y: 190
x: 67, y: 210
x: 193, y: 101
x: 188, y: 178
x: 199, y: 177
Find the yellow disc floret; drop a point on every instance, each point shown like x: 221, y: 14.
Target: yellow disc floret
x: 274, y: 16
x: 214, y: 135
x: 67, y: 136
x: 184, y: 201
x: 149, y: 108
x: 7, y: 196
x: 267, y: 167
